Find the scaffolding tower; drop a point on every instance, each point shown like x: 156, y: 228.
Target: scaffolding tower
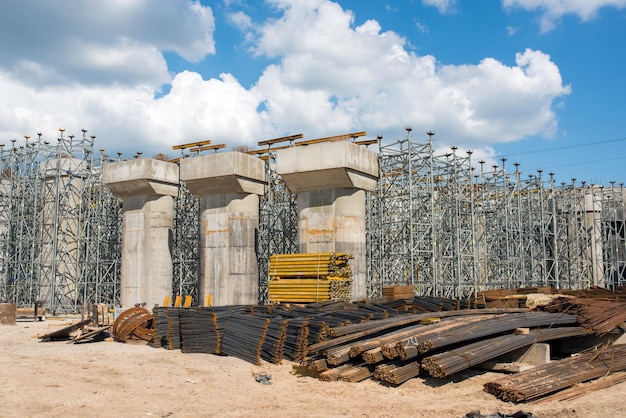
x: 53, y: 210
x: 449, y: 229
x: 278, y: 223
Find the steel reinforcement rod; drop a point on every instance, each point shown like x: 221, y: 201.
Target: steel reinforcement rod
x: 557, y: 375
x: 453, y: 361
x: 354, y: 332
x: 494, y: 326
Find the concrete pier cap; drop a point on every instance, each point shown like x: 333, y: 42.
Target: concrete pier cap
x: 226, y: 172
x: 141, y: 177
x: 328, y: 165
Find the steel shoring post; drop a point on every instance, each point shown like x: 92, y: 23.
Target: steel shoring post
x: 620, y: 222
x: 521, y: 277
x: 507, y: 227
x: 409, y: 184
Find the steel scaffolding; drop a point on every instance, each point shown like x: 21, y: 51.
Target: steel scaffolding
x: 55, y: 224
x: 278, y: 223
x: 450, y: 229
x: 185, y: 243
x: 435, y: 222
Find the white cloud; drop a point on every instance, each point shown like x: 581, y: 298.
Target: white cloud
x: 101, y: 42
x: 444, y: 6
x: 553, y: 10
x: 355, y: 78
x: 329, y: 76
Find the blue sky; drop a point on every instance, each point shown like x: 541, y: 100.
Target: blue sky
x: 540, y: 82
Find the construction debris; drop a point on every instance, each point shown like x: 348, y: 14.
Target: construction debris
x: 66, y: 333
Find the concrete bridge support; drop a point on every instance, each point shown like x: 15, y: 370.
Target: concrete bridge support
x: 147, y: 187
x: 330, y: 180
x: 229, y: 185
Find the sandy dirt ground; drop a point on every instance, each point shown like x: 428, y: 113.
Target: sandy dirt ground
x: 111, y: 379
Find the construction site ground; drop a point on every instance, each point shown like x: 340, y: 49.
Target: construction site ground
x: 112, y: 379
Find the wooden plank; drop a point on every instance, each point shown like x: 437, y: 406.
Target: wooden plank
x: 191, y: 144
x: 282, y: 139
x: 367, y: 142
x: 90, y: 334
x: 332, y: 138
x: 208, y: 147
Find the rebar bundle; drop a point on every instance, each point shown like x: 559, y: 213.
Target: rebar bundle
x: 244, y: 337
x: 397, y: 372
x: 200, y: 331
x: 557, y: 375
x: 595, y: 315
x: 494, y: 326
x: 453, y: 361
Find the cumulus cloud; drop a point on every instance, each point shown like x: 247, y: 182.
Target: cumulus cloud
x: 444, y: 6
x: 326, y: 76
x: 354, y: 77
x: 48, y: 42
x: 552, y: 10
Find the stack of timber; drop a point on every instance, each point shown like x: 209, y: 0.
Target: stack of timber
x: 398, y: 292
x: 306, y: 278
x: 558, y: 375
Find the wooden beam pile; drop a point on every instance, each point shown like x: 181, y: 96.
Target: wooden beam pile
x: 398, y: 292
x: 306, y: 278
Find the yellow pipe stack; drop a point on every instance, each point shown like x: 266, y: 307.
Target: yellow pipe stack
x: 311, y: 277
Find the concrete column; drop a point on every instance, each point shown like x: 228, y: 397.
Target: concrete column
x: 593, y: 228
x: 147, y: 187
x: 331, y: 179
x: 229, y: 185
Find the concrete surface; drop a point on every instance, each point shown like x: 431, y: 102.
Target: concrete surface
x: 147, y: 187
x: 228, y: 185
x: 330, y: 179
x: 226, y: 172
x: 141, y: 177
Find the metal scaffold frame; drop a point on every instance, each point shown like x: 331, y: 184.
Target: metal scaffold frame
x: 185, y: 244
x: 53, y: 201
x: 278, y: 224
x: 613, y: 221
x: 400, y: 238
x: 437, y: 223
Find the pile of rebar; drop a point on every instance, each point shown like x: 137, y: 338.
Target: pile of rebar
x: 596, y: 315
x: 134, y: 325
x: 389, y: 340
x: 202, y: 331
x: 453, y: 361
x: 307, y: 278
x: 557, y: 375
x: 167, y: 328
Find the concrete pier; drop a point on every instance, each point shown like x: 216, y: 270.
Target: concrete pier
x: 330, y: 180
x: 229, y: 185
x: 147, y: 187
